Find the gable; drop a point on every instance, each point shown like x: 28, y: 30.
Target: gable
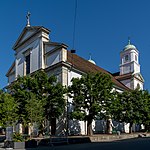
x: 26, y: 36
x: 52, y: 46
x: 27, y: 33
x: 139, y: 77
x: 11, y: 69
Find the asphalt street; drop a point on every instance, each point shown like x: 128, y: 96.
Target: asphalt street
x: 130, y: 144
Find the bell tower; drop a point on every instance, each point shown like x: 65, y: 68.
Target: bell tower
x: 129, y: 60
x: 130, y: 74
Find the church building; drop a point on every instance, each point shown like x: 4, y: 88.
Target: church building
x: 35, y: 51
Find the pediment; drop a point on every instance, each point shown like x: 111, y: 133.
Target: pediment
x: 139, y: 76
x: 11, y: 69
x: 50, y: 46
x: 26, y: 34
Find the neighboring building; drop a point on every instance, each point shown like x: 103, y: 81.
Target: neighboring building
x: 34, y: 51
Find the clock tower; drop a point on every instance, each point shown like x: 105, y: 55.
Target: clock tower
x: 130, y: 74
x: 129, y: 60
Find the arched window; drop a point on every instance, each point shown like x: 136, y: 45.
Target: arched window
x: 27, y: 59
x: 135, y: 58
x: 138, y: 86
x: 126, y: 58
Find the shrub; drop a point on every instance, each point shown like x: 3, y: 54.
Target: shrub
x: 17, y: 137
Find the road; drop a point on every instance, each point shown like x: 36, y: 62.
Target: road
x: 130, y: 144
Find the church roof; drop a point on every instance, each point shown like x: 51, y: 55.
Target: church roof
x: 86, y: 66
x: 130, y: 75
x: 123, y: 77
x: 56, y: 44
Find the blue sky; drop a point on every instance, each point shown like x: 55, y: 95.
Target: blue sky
x: 102, y: 29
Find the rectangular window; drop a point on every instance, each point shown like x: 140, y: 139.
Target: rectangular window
x: 126, y: 58
x: 27, y: 64
x: 135, y: 58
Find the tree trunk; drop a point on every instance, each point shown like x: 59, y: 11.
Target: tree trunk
x: 130, y: 127
x: 53, y: 126
x: 147, y: 127
x: 41, y: 131
x: 31, y: 131
x: 108, y: 126
x: 89, y: 127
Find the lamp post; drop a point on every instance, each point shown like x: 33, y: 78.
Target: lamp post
x: 124, y: 125
x: 67, y: 119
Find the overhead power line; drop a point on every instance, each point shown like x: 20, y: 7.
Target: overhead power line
x: 74, y: 24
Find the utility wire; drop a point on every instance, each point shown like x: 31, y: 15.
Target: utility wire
x: 74, y: 25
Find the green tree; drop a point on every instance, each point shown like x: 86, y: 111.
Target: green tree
x: 40, y: 89
x: 91, y: 95
x: 127, y: 107
x: 51, y: 92
x: 55, y: 102
x: 8, y: 110
x: 19, y: 90
x: 145, y: 109
x: 35, y: 110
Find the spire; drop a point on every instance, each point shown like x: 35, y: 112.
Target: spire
x: 90, y: 56
x: 129, y: 45
x: 28, y: 19
x: 90, y: 59
x: 129, y: 42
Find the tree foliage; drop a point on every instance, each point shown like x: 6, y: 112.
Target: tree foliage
x: 145, y: 109
x: 39, y: 96
x: 34, y: 109
x: 91, y: 95
x: 128, y: 107
x: 8, y: 109
x: 19, y: 90
x: 55, y: 102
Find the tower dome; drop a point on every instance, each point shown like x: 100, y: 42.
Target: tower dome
x: 91, y: 61
x: 129, y: 46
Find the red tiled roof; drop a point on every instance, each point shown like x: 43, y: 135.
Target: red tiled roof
x: 124, y: 76
x: 86, y: 66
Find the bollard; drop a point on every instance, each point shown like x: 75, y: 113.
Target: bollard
x: 118, y: 133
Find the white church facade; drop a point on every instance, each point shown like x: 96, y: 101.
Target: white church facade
x: 35, y: 51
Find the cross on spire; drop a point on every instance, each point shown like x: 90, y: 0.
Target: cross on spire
x: 90, y: 55
x: 129, y: 42
x: 28, y: 19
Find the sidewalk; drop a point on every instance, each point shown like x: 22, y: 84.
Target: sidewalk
x: 54, y: 142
